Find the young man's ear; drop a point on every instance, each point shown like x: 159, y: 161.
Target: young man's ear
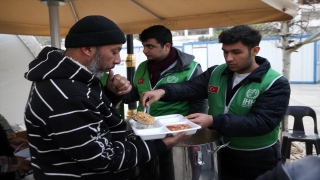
x: 255, y: 50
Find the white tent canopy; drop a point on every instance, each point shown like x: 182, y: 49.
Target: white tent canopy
x: 16, y: 53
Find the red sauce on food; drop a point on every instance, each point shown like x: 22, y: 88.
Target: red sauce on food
x: 177, y: 127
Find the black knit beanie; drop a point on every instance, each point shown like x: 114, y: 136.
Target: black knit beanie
x: 94, y: 31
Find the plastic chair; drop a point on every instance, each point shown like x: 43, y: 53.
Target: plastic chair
x: 298, y: 134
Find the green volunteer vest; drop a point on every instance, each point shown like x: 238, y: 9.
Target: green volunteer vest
x: 142, y: 82
x: 240, y: 103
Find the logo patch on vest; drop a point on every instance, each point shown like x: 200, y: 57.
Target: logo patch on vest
x: 250, y: 98
x: 141, y: 81
x: 213, y: 89
x: 172, y: 79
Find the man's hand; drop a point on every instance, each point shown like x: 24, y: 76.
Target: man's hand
x: 17, y: 141
x: 203, y: 120
x: 118, y: 84
x: 23, y: 165
x: 171, y: 141
x: 150, y: 97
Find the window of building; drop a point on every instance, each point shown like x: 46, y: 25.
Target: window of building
x: 198, y: 31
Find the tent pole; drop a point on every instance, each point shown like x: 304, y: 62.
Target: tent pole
x: 54, y: 26
x: 53, y: 6
x: 131, y: 68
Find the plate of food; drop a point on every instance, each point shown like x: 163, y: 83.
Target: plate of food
x: 163, y: 126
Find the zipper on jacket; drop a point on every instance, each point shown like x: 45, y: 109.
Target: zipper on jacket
x: 226, y: 109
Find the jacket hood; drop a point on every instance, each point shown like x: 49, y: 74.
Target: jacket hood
x: 264, y: 66
x: 185, y: 59
x: 52, y: 64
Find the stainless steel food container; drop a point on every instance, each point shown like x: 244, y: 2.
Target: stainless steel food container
x: 197, y: 158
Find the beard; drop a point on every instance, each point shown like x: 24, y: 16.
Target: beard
x: 95, y: 66
x: 248, y: 63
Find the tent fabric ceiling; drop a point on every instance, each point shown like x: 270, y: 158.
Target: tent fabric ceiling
x: 31, y: 17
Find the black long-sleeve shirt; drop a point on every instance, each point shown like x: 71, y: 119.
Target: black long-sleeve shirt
x: 74, y: 131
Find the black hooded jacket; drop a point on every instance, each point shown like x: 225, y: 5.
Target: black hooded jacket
x: 73, y: 128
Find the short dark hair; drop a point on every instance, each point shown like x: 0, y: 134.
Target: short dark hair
x: 248, y: 36
x: 160, y: 33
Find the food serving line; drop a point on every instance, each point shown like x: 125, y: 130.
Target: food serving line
x: 195, y: 158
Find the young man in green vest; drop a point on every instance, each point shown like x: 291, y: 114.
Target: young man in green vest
x: 247, y: 101
x: 165, y: 64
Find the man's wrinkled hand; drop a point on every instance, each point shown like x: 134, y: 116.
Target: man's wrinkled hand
x: 18, y: 142
x: 24, y: 165
x: 118, y: 84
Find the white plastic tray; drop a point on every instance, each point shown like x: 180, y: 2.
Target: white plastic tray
x: 24, y: 153
x: 159, y: 129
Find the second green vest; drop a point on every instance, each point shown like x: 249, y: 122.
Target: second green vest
x: 142, y: 82
x: 240, y: 103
